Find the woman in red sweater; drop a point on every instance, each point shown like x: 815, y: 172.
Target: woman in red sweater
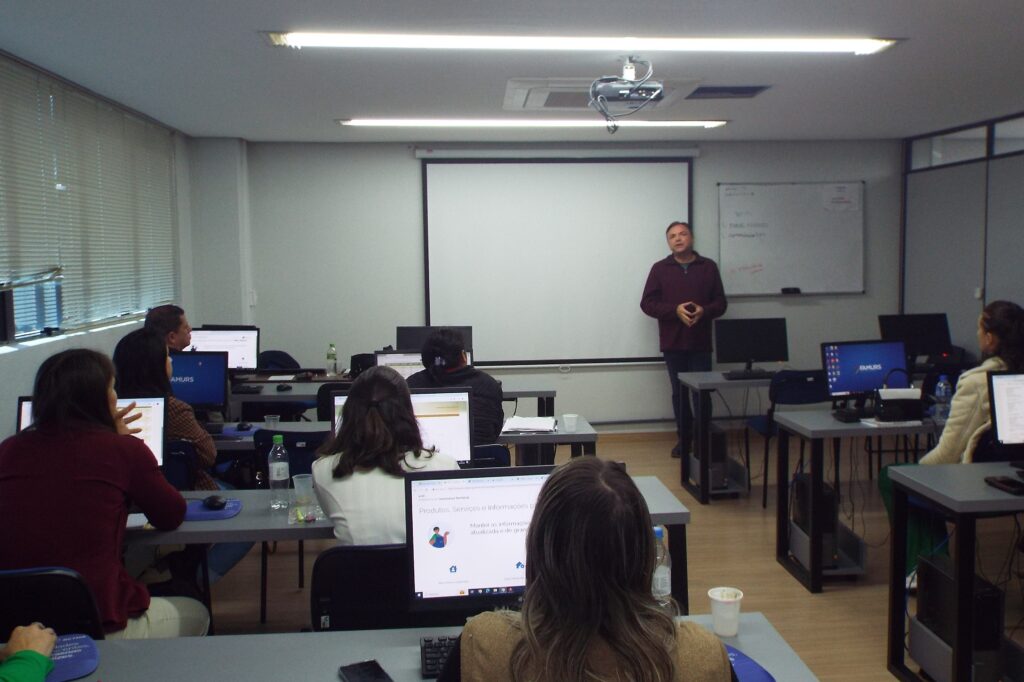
x: 65, y: 487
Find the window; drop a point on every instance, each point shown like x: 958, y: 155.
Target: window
x: 940, y: 150
x: 86, y: 190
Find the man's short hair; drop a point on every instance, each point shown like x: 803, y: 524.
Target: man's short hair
x: 678, y: 222
x: 164, y: 319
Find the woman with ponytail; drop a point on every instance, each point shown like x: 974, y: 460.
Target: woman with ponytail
x: 359, y: 475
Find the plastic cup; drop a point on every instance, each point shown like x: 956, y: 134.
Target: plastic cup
x: 271, y: 420
x: 725, y: 610
x: 303, y: 495
x: 569, y: 422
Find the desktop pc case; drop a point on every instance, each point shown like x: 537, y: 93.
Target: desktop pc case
x: 725, y: 473
x: 827, y: 513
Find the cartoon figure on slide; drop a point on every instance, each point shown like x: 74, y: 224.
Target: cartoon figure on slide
x: 437, y: 540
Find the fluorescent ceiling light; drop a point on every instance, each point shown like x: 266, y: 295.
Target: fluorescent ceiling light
x: 562, y: 43
x: 519, y: 123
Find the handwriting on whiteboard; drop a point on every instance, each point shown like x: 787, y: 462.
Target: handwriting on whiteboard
x: 751, y: 268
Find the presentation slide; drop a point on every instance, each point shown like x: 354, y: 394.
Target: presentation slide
x: 241, y: 345
x: 864, y: 367
x: 1008, y: 399
x: 469, y: 534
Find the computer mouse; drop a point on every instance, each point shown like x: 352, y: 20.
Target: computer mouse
x: 281, y: 388
x: 243, y: 426
x: 215, y: 502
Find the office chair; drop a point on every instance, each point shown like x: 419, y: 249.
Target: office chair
x: 367, y: 588
x: 276, y: 360
x: 57, y: 597
x: 180, y: 464
x: 324, y: 401
x: 494, y: 455
x: 301, y: 449
x: 788, y: 387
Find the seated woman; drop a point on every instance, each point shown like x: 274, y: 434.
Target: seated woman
x: 68, y: 481
x: 588, y: 613
x: 144, y: 371
x: 444, y: 357
x: 1001, y: 343
x: 359, y: 475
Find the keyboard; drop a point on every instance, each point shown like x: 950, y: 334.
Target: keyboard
x: 247, y: 389
x: 742, y: 374
x: 433, y: 653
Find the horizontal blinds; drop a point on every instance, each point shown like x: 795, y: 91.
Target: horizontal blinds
x: 89, y: 188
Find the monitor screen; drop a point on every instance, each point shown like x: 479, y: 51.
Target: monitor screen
x: 751, y: 340
x: 856, y: 368
x: 200, y: 378
x: 1006, y: 399
x: 241, y: 344
x: 413, y: 338
x: 443, y: 417
x: 153, y: 411
x: 467, y: 534
x: 407, y: 364
x: 921, y: 334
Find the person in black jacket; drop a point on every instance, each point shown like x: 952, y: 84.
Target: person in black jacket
x: 444, y: 357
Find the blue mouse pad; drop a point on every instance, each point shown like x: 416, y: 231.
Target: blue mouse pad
x: 747, y: 669
x: 73, y: 656
x: 197, y: 512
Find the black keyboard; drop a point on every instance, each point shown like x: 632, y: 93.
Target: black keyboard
x: 743, y: 374
x: 433, y: 653
x: 247, y: 389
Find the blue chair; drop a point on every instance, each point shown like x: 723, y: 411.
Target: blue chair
x: 788, y: 387
x: 58, y: 597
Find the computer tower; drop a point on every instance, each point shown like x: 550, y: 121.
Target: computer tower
x: 827, y: 515
x: 936, y: 595
x: 718, y: 465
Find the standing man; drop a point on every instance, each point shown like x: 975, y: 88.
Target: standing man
x: 169, y: 322
x: 684, y: 293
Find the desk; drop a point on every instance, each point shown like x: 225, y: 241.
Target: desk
x: 582, y: 441
x: 960, y: 491
x: 701, y: 385
x: 816, y: 426
x: 316, y: 656
x: 256, y: 523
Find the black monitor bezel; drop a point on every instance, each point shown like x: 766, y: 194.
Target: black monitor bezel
x: 474, y: 603
x: 420, y: 333
x: 234, y: 327
x: 222, y: 407
x: 914, y: 320
x: 858, y: 395
x: 756, y: 340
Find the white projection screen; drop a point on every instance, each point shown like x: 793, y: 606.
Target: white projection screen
x: 547, y: 259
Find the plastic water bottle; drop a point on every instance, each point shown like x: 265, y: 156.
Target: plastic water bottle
x: 661, y: 586
x: 277, y: 468
x: 332, y: 359
x: 943, y: 394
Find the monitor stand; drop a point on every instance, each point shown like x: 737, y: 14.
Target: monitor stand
x: 748, y: 372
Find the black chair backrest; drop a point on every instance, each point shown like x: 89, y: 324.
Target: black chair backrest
x: 301, y: 447
x: 276, y: 359
x: 180, y: 463
x: 486, y: 456
x: 324, y: 401
x: 367, y: 588
x: 57, y: 597
x: 797, y: 387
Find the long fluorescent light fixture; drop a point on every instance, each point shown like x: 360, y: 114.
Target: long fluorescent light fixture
x: 518, y: 123
x: 857, y: 46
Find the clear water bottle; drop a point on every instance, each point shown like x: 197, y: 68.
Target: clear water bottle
x: 661, y: 586
x: 277, y: 469
x: 332, y: 359
x: 943, y: 394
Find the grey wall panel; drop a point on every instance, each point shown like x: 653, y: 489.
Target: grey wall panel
x: 1004, y: 273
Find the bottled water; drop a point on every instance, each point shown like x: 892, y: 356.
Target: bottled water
x: 661, y: 586
x: 277, y: 469
x: 332, y: 359
x: 943, y: 394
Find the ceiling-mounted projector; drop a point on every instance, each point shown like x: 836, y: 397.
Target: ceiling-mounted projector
x: 629, y: 91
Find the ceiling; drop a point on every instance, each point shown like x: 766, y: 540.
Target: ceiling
x: 202, y: 67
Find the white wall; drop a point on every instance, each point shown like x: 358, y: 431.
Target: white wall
x: 337, y: 253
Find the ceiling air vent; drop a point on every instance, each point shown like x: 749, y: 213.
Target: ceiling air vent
x: 727, y: 91
x: 573, y: 94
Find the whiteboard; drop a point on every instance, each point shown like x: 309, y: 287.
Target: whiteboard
x: 547, y: 260
x: 804, y: 235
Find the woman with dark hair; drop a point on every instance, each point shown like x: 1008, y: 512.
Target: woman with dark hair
x: 144, y: 371
x: 445, y: 360
x: 359, y: 475
x: 588, y: 613
x: 68, y: 481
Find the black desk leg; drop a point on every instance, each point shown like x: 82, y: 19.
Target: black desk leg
x: 897, y: 584
x: 816, y: 523
x: 782, y: 497
x: 545, y: 407
x: 204, y: 569
x: 263, y: 583
x: 577, y: 449
x: 963, y: 614
x: 836, y: 450
x: 702, y: 406
x: 680, y: 580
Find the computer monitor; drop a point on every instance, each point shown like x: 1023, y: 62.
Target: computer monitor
x: 242, y: 344
x: 751, y: 340
x: 1006, y: 402
x: 466, y: 530
x: 413, y: 338
x: 855, y: 369
x: 921, y: 333
x: 152, y: 421
x: 443, y: 416
x: 200, y: 378
x: 406, y: 364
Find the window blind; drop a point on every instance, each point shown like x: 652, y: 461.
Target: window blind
x: 87, y: 187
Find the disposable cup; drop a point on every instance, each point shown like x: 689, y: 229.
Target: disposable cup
x: 303, y: 495
x: 569, y: 422
x: 725, y: 610
x: 271, y: 420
